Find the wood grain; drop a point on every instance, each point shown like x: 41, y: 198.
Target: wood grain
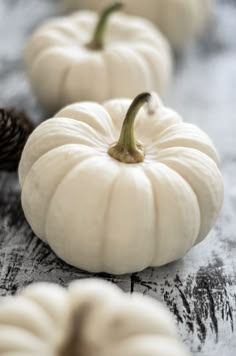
x: 200, y: 290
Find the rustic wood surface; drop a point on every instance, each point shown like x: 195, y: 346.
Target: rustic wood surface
x: 200, y: 289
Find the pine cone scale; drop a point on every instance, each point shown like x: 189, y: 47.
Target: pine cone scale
x: 15, y: 128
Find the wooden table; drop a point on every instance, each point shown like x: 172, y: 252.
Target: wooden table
x: 200, y: 289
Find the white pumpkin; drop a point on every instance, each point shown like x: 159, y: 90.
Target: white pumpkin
x: 179, y: 20
x: 126, y: 56
x: 91, y: 318
x: 120, y: 209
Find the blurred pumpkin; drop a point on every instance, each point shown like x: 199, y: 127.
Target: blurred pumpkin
x: 179, y: 20
x: 87, y: 57
x: 90, y: 318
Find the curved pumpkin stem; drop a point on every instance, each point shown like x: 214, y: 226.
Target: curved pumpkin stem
x: 97, y: 42
x: 127, y: 149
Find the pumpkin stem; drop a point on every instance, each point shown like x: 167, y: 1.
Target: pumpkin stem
x: 74, y: 343
x: 127, y: 149
x: 97, y: 42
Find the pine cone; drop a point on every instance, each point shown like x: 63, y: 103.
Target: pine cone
x: 15, y: 129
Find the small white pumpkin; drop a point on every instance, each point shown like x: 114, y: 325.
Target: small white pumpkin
x: 179, y: 20
x: 126, y: 56
x: 91, y: 318
x: 120, y: 209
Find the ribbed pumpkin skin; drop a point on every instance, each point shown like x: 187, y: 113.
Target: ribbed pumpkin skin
x: 102, y: 215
